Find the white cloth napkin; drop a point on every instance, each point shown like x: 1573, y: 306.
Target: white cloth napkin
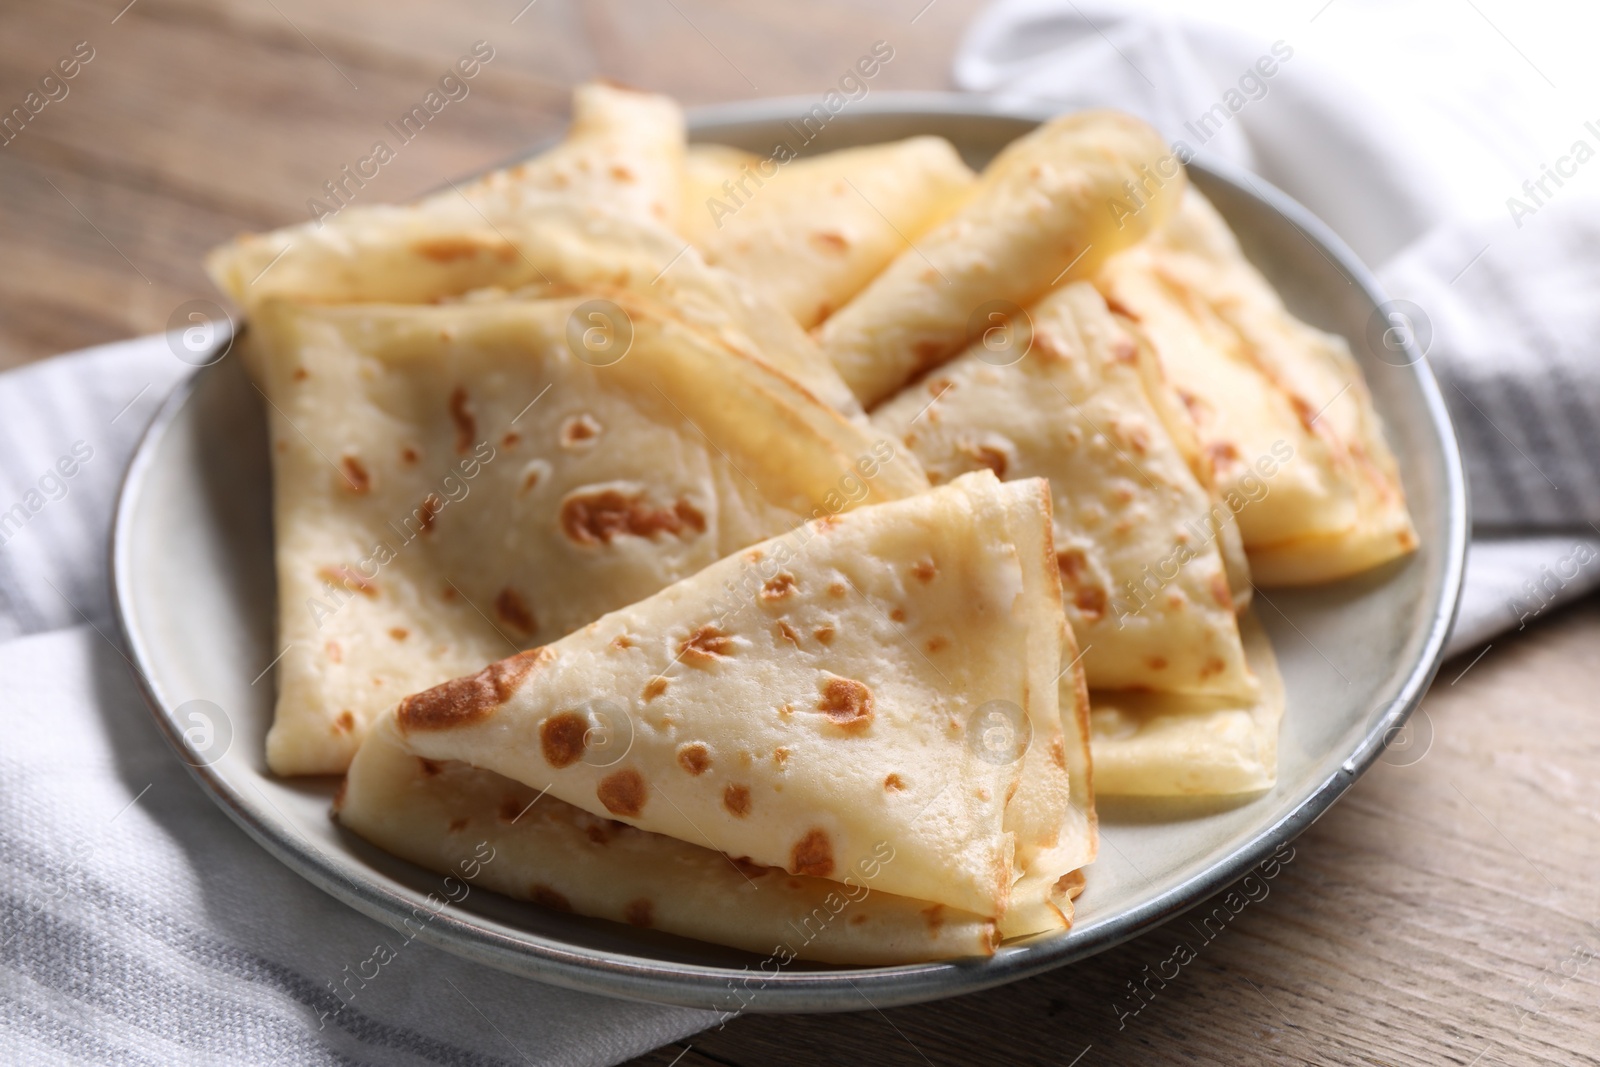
x: 1409, y: 127
x: 138, y: 925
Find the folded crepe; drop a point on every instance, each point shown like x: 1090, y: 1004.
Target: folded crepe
x: 1278, y: 411
x: 444, y: 815
x: 1051, y: 207
x: 891, y: 682
x: 1142, y: 546
x: 811, y: 233
x: 453, y: 483
x: 1147, y: 743
x: 623, y: 154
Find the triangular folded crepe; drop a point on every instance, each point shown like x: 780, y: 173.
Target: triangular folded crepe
x: 513, y: 840
x: 1139, y: 541
x: 891, y: 681
x: 811, y: 233
x: 453, y: 483
x: 623, y: 154
x: 1277, y: 409
x: 1165, y: 744
x: 1051, y: 207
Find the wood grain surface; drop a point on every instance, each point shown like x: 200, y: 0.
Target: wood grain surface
x: 1446, y: 911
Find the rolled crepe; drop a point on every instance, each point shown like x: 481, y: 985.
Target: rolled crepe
x: 623, y: 154
x: 1278, y: 411
x: 886, y: 683
x: 451, y: 817
x: 1163, y: 744
x: 811, y: 233
x: 1051, y: 207
x: 452, y: 483
x: 1140, y: 543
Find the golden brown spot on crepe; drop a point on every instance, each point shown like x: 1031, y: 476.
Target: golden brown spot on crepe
x: 623, y: 792
x: 858, y: 918
x: 846, y: 702
x: 1122, y: 309
x: 427, y: 766
x: 706, y: 645
x: 985, y: 455
x: 898, y: 615
x: 511, y: 808
x: 447, y: 593
x: 813, y: 855
x: 511, y: 439
x: 621, y: 642
x: 449, y: 249
x: 1058, y: 752
x: 529, y: 480
x: 825, y: 523
x: 598, y: 516
x: 924, y: 570
x: 755, y: 555
x: 432, y: 504
x: 1214, y: 665
x: 823, y: 634
x: 654, y: 688
x: 512, y: 610
x: 408, y: 455
x: 937, y: 643
x: 597, y: 833
x: 334, y: 653
x: 695, y: 758
x: 399, y: 633
x: 837, y: 589
x: 1139, y: 440
x: 1073, y: 565
x: 621, y: 173
x: 300, y: 374
x: 780, y: 755
x: 457, y: 825
x: 778, y: 586
x: 562, y: 737
x: 934, y: 917
x: 639, y: 913
x: 356, y: 478
x: 736, y: 798
x: 1071, y: 883
x: 350, y: 579
x: 578, y: 430
x: 788, y: 633
x: 1222, y: 454
x: 831, y: 241
x: 546, y: 897
x: 344, y: 723
x: 894, y: 783
x: 939, y: 386
x: 1157, y: 663
x: 748, y: 867
x: 1304, y: 411
x: 461, y: 415
x: 1091, y: 601
x: 1221, y: 593
x: 474, y: 698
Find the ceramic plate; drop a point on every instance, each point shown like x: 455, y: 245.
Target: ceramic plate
x: 193, y: 581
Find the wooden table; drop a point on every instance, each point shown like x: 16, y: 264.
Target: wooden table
x: 1445, y: 911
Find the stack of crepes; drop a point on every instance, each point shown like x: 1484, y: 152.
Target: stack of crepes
x: 731, y: 542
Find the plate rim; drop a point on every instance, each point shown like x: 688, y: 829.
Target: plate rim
x: 701, y: 985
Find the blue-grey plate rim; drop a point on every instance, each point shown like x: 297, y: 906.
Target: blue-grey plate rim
x: 841, y: 989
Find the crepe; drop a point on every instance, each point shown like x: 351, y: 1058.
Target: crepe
x: 1162, y: 744
x: 452, y: 483
x: 848, y: 704
x: 1278, y: 410
x: 811, y: 233
x: 622, y: 155
x: 1052, y: 206
x: 454, y: 818
x: 1139, y: 541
